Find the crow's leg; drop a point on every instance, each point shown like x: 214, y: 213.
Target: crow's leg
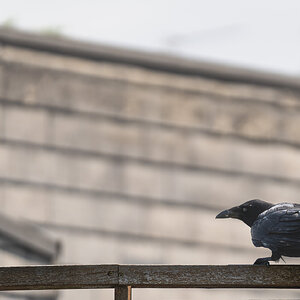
x: 265, y: 260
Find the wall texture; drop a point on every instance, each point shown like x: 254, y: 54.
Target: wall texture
x: 128, y: 164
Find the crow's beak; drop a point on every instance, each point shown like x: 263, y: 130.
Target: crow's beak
x: 223, y: 214
x: 234, y: 212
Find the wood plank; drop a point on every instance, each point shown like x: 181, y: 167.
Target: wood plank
x: 207, y: 276
x: 123, y: 293
x: 58, y: 277
x: 148, y: 276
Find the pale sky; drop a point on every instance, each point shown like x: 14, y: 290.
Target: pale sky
x: 260, y: 34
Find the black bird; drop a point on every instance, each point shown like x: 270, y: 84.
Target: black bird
x: 276, y: 227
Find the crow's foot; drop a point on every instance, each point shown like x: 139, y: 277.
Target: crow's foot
x: 263, y: 261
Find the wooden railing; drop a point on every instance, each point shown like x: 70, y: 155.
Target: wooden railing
x: 125, y: 277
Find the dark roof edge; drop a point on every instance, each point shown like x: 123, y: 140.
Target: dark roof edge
x: 154, y: 61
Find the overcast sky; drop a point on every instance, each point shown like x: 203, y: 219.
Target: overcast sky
x: 261, y: 34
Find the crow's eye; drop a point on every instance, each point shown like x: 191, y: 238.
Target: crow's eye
x: 244, y: 209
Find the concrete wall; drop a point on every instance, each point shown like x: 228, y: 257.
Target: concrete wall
x: 130, y: 165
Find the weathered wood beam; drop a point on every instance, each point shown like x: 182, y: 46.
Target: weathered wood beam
x: 58, y: 277
x: 210, y: 276
x: 148, y: 276
x: 123, y: 293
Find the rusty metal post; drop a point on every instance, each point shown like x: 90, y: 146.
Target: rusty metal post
x: 123, y: 293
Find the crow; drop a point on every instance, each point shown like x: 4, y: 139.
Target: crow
x: 276, y: 227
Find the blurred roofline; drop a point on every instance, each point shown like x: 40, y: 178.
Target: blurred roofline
x: 149, y: 60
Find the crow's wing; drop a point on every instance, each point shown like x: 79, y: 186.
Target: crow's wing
x: 288, y: 223
x: 279, y: 230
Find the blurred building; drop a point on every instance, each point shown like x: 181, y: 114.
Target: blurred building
x: 126, y: 157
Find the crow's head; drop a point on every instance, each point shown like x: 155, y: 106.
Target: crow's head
x: 247, y: 212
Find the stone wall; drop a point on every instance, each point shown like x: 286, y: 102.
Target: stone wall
x: 130, y: 165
